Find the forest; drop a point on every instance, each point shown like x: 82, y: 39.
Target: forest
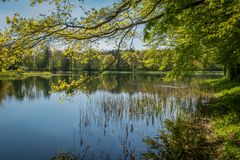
x: 93, y: 60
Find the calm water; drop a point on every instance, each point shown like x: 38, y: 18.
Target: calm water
x: 108, y: 120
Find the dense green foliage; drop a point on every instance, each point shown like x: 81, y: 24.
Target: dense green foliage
x: 92, y: 60
x: 208, y: 30
x: 198, y: 32
x: 184, y: 138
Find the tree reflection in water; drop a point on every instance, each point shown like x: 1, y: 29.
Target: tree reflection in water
x: 120, y: 110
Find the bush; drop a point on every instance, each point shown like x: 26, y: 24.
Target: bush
x: 186, y: 138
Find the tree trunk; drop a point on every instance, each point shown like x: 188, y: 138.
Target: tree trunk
x: 233, y: 72
x: 238, y: 72
x: 118, y: 60
x: 225, y: 71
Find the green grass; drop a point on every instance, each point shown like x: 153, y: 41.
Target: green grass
x: 21, y: 75
x: 165, y: 72
x: 135, y: 72
x: 213, y: 132
x: 208, y: 72
x: 33, y: 73
x: 8, y: 73
x: 36, y: 73
x: 18, y: 74
x: 224, y: 110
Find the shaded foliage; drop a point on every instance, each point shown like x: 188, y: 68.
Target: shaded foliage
x: 224, y: 109
x: 187, y: 137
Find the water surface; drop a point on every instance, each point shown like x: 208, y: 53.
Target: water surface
x: 107, y: 120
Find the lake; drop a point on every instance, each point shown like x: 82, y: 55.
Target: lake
x: 107, y: 120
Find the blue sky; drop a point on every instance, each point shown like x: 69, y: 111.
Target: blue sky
x: 24, y: 9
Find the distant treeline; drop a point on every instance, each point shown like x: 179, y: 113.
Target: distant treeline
x: 93, y: 60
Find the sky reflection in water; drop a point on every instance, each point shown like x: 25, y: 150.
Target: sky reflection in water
x: 108, y: 121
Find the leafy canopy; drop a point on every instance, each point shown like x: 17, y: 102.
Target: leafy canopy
x: 194, y: 31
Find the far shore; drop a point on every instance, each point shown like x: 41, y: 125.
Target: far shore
x: 58, y: 73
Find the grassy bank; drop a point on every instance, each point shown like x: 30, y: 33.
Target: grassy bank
x: 21, y: 75
x: 33, y: 73
x: 165, y: 72
x: 224, y: 111
x: 15, y: 73
x: 40, y: 73
x: 212, y: 132
x: 12, y: 75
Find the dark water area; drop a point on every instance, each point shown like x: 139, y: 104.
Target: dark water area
x: 107, y: 120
